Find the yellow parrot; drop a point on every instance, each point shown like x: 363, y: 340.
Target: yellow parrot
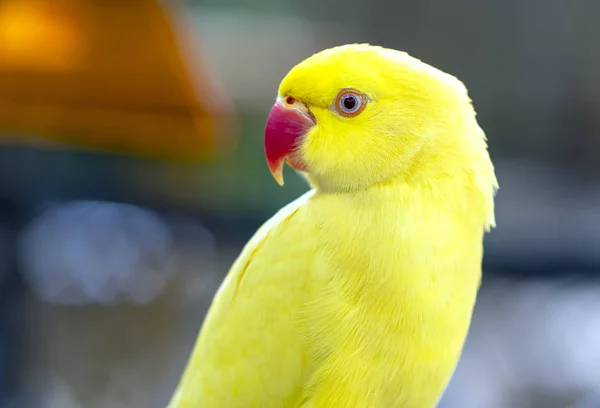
x: 360, y: 292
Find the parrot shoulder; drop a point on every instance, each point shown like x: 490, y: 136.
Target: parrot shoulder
x: 239, y: 267
x: 249, y: 343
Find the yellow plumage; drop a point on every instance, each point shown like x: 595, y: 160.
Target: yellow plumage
x: 360, y: 292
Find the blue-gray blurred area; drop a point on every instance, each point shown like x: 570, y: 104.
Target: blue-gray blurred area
x: 108, y: 261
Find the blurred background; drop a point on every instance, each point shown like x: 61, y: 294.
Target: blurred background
x: 132, y: 173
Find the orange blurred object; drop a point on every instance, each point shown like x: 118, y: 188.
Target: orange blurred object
x: 123, y: 76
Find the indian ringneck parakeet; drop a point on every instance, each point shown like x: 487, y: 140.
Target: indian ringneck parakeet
x: 360, y: 292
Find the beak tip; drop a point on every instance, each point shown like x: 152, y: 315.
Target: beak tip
x: 277, y: 173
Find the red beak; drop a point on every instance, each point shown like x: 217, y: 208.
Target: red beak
x: 286, y: 126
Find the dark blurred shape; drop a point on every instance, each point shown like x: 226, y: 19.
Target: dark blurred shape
x: 548, y: 223
x: 11, y: 302
x: 5, y: 249
x: 119, y: 76
x: 580, y: 117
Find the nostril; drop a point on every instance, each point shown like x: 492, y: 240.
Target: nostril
x: 290, y: 100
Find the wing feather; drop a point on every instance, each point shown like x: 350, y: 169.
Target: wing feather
x: 249, y: 352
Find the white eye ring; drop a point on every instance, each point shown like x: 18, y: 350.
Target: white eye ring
x: 350, y: 103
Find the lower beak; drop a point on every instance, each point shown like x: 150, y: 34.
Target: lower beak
x: 284, y: 131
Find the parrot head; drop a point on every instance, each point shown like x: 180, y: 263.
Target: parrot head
x: 358, y: 115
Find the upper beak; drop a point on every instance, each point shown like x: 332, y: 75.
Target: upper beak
x: 285, y: 128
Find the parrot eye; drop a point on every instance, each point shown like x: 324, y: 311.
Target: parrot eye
x: 350, y: 103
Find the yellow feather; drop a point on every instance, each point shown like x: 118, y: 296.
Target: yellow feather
x: 359, y: 293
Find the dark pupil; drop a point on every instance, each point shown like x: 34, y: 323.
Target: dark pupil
x: 349, y: 102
